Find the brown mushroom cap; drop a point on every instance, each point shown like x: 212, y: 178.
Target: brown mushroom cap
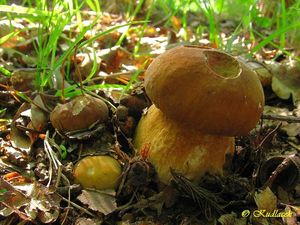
x: 206, y: 89
x: 80, y: 113
x: 167, y: 144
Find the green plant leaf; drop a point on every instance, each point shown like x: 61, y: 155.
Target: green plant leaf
x: 5, y: 71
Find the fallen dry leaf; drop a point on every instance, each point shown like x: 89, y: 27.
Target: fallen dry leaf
x: 286, y: 81
x: 231, y: 219
x: 86, y: 221
x: 23, y: 79
x: 290, y: 220
x: 101, y: 201
x: 29, y: 201
x: 266, y: 200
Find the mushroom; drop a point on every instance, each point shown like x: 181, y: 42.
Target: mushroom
x: 173, y: 146
x: 202, y: 99
x: 78, y: 114
x: 100, y: 172
x: 212, y: 91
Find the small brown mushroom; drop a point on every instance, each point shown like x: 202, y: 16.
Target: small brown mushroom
x: 79, y: 113
x: 202, y: 98
x: 100, y: 172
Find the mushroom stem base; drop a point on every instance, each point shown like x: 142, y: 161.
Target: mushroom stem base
x: 167, y: 144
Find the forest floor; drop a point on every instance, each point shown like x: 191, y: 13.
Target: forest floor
x: 107, y: 59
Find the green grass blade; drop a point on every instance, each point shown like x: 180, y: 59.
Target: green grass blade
x: 74, y: 90
x: 142, y: 31
x: 278, y: 47
x: 94, y: 5
x: 134, y: 78
x: 137, y: 9
x: 33, y: 13
x: 8, y: 36
x: 78, y: 41
x: 94, y: 68
x: 283, y: 23
x: 273, y: 35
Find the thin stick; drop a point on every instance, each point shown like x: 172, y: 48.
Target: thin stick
x: 289, y: 119
x: 114, y: 75
x: 63, y: 77
x: 77, y: 69
x: 268, y: 135
x: 294, y: 145
x: 281, y: 167
x: 78, y: 206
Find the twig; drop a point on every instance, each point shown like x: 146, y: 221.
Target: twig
x: 69, y: 197
x: 268, y: 135
x: 143, y: 203
x: 289, y: 119
x: 113, y: 108
x: 63, y: 77
x: 78, y: 206
x: 46, y: 145
x: 114, y: 75
x: 294, y: 145
x: 206, y: 200
x: 77, y: 68
x: 280, y: 168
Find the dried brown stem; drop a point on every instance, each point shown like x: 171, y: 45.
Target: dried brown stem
x: 289, y: 119
x: 281, y: 167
